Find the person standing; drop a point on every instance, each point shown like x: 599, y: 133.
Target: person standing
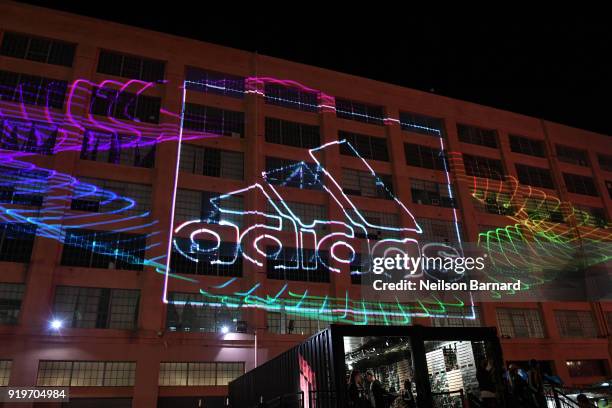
x: 375, y: 390
x: 536, y: 383
x: 357, y: 397
x: 583, y: 401
x: 486, y: 383
x: 407, y: 397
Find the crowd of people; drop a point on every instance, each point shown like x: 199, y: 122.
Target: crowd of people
x: 368, y: 392
x: 520, y: 388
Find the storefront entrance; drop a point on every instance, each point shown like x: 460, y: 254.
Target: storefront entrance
x: 436, y: 367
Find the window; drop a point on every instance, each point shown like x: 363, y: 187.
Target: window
x: 523, y: 145
x: 493, y: 202
x: 477, y: 136
x: 188, y: 312
x: 16, y: 242
x: 107, y: 250
x: 192, y: 205
x: 534, y: 176
x: 426, y: 157
x: 605, y: 162
x: 53, y: 373
x: 439, y: 231
x: 214, y: 82
x: 425, y: 125
x: 30, y: 137
x: 576, y: 323
x: 116, y: 148
x: 483, y: 167
x: 199, y: 373
x: 5, y: 372
x: 128, y: 66
x: 587, y: 368
x: 195, y: 258
x: 590, y: 216
x: 289, y: 323
x: 430, y: 193
x: 11, y: 295
x: 571, y: 155
x: 37, y: 49
x: 360, y: 112
x: 544, y: 210
x: 379, y: 219
x: 212, y: 162
x: 32, y: 90
x: 306, y: 213
x: 125, y: 105
x: 284, y: 265
x: 289, y: 173
x: 520, y: 323
x: 217, y: 121
x: 362, y: 183
x: 108, y: 196
x: 580, y: 184
x: 368, y: 147
x: 96, y: 308
x: 609, y: 187
x: 23, y: 187
x: 276, y: 94
x: 292, y: 133
x: 459, y: 317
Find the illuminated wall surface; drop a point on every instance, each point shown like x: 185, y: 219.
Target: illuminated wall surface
x: 534, y: 247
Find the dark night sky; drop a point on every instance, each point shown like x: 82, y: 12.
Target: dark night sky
x: 544, y: 66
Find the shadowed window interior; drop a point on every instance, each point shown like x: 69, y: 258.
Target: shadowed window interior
x: 39, y: 49
x: 290, y: 97
x: 96, y: 308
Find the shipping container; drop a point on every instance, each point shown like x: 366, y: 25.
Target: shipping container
x: 440, y: 364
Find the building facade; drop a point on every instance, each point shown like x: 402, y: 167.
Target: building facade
x: 243, y: 114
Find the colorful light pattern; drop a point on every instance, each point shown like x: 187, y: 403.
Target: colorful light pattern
x: 560, y: 240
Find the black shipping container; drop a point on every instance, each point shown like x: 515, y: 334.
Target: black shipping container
x: 314, y: 373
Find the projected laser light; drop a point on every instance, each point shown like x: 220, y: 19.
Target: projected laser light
x: 38, y: 197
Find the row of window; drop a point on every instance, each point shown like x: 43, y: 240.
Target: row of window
x: 528, y: 146
x: 539, y: 210
x: 565, y: 154
x: 56, y: 52
x: 40, y: 138
x: 59, y: 373
x: 123, y: 149
x: 484, y: 167
x: 49, y: 92
x: 125, y: 105
x: 104, y: 308
x: 527, y: 323
x: 119, y: 250
x: 196, y: 373
x: 125, y: 251
x: 375, y: 148
x: 32, y: 89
